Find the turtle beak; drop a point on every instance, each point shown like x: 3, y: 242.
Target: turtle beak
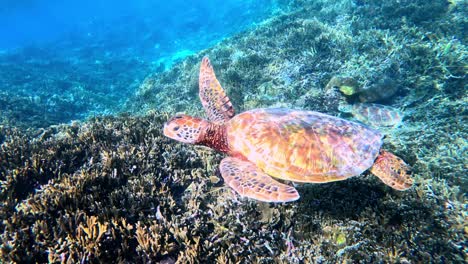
x: 170, y: 129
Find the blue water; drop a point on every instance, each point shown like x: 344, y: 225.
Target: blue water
x: 36, y: 22
x: 70, y: 60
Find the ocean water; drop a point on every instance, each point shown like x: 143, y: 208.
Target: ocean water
x: 90, y: 171
x: 74, y: 60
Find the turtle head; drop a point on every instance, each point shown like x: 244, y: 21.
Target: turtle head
x: 186, y: 129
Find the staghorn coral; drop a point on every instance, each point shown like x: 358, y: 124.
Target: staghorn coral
x: 116, y: 183
x: 136, y: 196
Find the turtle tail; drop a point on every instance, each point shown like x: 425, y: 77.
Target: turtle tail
x: 392, y: 170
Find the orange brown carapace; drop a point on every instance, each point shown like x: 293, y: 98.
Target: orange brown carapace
x: 294, y: 145
x: 303, y: 146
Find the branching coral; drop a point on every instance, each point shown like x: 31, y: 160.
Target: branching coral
x: 113, y: 189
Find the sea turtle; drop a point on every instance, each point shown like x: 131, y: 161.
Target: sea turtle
x: 375, y: 115
x: 293, y: 145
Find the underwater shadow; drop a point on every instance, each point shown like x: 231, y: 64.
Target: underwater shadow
x: 357, y: 197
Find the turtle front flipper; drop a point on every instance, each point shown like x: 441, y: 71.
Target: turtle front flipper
x: 217, y: 105
x: 392, y: 170
x: 249, y: 181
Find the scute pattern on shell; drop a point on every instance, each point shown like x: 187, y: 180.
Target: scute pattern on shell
x: 303, y: 146
x: 377, y: 115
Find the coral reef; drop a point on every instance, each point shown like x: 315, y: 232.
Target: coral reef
x: 53, y: 85
x: 289, y: 59
x: 347, y: 85
x: 94, y: 69
x: 114, y: 189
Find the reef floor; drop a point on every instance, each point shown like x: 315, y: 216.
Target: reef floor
x: 113, y: 189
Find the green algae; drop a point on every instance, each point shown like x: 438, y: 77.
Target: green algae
x: 347, y: 90
x: 340, y: 239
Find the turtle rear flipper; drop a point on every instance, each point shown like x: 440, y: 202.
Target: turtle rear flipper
x: 217, y: 105
x: 249, y: 181
x: 392, y: 170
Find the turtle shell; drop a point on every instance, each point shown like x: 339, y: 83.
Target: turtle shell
x: 377, y: 115
x: 303, y: 146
